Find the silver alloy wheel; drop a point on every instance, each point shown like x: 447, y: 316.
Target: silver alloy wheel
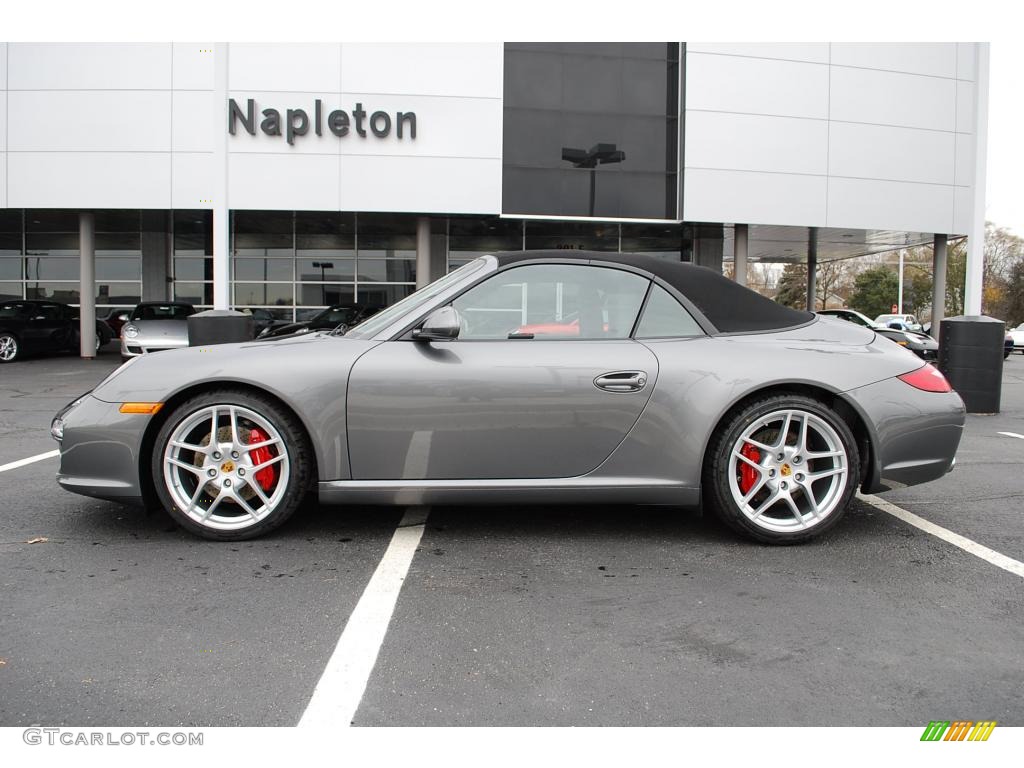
x: 210, y: 473
x: 8, y: 348
x: 801, y: 471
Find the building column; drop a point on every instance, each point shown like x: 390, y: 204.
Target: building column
x: 87, y: 285
x: 739, y: 261
x: 221, y: 216
x: 812, y: 267
x: 938, y: 284
x: 976, y: 236
x: 422, y: 252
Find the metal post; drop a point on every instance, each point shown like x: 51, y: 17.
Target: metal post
x: 221, y: 217
x: 87, y: 285
x: 740, y: 254
x: 812, y: 267
x: 938, y: 284
x: 423, y: 276
x: 976, y: 236
x: 899, y: 290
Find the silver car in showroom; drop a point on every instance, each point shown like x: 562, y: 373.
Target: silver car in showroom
x: 526, y: 377
x: 155, y: 326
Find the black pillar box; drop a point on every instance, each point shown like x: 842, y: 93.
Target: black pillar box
x: 219, y: 326
x: 971, y: 358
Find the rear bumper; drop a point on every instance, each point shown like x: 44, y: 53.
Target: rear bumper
x: 99, y: 455
x: 915, y: 434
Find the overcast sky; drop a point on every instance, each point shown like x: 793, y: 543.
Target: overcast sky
x: 1005, y: 201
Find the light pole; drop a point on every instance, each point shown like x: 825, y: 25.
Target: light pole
x: 598, y: 154
x: 324, y: 266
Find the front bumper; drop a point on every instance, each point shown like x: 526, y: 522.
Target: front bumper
x: 914, y: 434
x: 100, y: 450
x: 141, y: 345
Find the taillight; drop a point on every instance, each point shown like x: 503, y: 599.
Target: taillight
x: 927, y: 378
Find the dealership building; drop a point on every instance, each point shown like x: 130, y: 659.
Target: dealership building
x: 294, y: 176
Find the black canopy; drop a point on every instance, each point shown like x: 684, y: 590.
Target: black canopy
x: 730, y: 307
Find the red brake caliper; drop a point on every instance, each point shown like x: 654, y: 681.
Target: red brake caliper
x: 748, y: 475
x: 266, y: 476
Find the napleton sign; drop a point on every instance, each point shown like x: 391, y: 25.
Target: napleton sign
x: 297, y: 122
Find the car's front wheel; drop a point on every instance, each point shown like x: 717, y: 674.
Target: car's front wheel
x: 231, y: 465
x: 782, y: 469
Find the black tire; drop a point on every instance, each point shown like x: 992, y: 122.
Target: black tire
x: 10, y: 347
x: 718, y: 494
x: 296, y: 446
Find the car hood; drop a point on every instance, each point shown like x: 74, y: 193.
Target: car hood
x: 289, y: 367
x: 175, y: 329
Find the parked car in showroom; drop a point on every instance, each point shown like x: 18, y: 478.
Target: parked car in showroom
x: 115, y: 317
x: 326, y: 320
x: 264, y: 320
x: 676, y: 386
x: 900, y: 322
x: 28, y: 327
x: 156, y: 326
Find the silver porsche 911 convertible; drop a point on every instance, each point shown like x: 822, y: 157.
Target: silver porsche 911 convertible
x: 534, y: 377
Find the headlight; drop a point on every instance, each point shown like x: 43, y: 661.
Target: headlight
x: 130, y: 331
x: 57, y: 429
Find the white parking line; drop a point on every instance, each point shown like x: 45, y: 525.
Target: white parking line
x: 29, y: 460
x: 1011, y: 434
x: 343, y: 682
x: 978, y: 550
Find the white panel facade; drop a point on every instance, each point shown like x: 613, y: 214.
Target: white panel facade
x: 89, y: 121
x: 756, y: 143
x: 89, y: 66
x: 192, y: 66
x: 892, y: 98
x: 192, y: 177
x: 870, y: 204
x: 894, y: 154
x: 295, y: 67
x: 938, y: 59
x: 423, y: 68
x: 410, y: 184
x: 756, y: 86
x: 285, y: 182
x: 103, y: 179
x: 813, y: 52
x: 192, y: 115
x: 755, y: 198
x: 897, y: 121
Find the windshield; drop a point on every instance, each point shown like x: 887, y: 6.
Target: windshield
x: 374, y: 325
x: 162, y: 312
x: 333, y: 316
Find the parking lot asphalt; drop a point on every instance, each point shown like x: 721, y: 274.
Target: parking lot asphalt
x: 509, y: 615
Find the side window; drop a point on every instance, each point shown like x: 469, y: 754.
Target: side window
x: 666, y: 317
x: 553, y: 301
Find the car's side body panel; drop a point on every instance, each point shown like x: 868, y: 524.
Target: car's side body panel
x: 491, y: 409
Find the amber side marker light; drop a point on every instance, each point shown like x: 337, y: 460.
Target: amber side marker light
x: 145, y: 408
x: 927, y: 378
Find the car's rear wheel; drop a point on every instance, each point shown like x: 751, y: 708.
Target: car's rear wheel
x: 231, y: 465
x: 783, y: 469
x: 9, y: 348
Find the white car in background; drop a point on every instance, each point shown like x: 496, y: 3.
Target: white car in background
x: 155, y: 326
x: 1017, y: 334
x: 903, y: 322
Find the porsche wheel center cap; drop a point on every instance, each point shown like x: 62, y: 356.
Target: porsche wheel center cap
x: 786, y: 470
x: 227, y: 466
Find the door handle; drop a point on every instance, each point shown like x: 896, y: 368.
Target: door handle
x: 621, y: 381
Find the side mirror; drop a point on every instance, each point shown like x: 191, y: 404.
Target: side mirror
x: 442, y: 324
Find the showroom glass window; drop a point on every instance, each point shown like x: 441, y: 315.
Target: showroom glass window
x: 193, y: 257
x: 12, y: 276
x: 553, y: 301
x: 51, y: 257
x: 561, y: 99
x: 470, y: 237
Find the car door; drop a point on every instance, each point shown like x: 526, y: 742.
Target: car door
x: 46, y: 328
x: 544, y: 381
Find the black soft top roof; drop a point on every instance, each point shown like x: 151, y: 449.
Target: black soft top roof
x: 730, y: 307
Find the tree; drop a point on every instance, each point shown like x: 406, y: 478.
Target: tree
x: 875, y: 291
x: 1014, y: 298
x: 793, y: 286
x: 831, y: 279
